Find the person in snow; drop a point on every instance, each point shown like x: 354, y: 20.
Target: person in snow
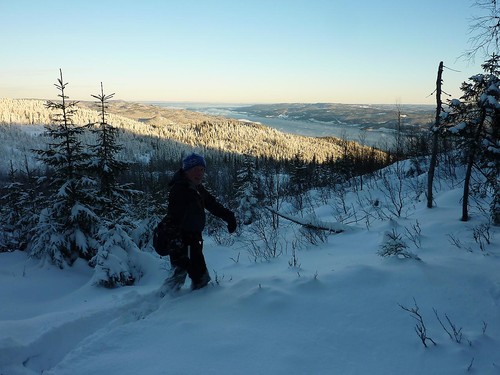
x: 185, y: 217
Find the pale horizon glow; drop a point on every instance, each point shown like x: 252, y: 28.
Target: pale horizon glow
x: 224, y: 51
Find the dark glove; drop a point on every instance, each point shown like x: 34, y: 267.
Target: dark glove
x: 231, y: 223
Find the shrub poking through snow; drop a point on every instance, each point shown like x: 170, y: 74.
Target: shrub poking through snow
x: 394, y: 246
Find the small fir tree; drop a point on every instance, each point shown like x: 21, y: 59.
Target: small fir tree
x: 105, y: 165
x: 113, y: 261
x: 66, y: 227
x: 19, y: 200
x: 246, y: 191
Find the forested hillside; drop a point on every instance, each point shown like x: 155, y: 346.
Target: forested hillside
x: 407, y: 117
x: 146, y: 130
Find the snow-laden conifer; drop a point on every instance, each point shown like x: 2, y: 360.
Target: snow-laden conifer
x: 475, y: 120
x: 20, y: 201
x: 116, y: 261
x: 113, y: 262
x: 106, y: 166
x: 66, y: 227
x: 246, y: 191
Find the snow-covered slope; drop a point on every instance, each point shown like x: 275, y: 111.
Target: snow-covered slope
x: 338, y: 309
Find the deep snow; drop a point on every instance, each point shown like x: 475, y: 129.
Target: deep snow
x: 337, y: 312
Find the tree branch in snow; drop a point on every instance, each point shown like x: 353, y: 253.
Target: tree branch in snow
x: 317, y: 225
x: 420, y: 327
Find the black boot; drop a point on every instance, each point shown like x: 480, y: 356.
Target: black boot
x: 174, y: 283
x: 202, y: 282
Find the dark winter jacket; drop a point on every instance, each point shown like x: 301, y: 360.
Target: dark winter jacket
x: 187, y: 203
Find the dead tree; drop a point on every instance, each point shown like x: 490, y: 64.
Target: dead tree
x: 435, y: 136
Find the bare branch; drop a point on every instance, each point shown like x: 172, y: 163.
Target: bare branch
x: 485, y: 31
x: 420, y: 327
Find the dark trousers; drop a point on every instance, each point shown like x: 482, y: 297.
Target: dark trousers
x: 190, y: 259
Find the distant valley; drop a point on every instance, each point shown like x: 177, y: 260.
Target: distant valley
x: 374, y: 124
x: 156, y: 132
x: 368, y: 117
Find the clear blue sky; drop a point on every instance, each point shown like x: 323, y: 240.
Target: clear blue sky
x: 252, y: 51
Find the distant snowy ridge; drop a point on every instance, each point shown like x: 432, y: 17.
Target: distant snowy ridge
x: 145, y: 128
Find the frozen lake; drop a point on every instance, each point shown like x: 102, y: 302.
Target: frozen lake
x: 378, y: 138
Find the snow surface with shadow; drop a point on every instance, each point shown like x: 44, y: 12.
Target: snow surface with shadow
x: 338, y: 312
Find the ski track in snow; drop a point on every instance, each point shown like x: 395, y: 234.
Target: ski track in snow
x: 77, y: 332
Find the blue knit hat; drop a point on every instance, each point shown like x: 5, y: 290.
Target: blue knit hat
x: 193, y: 160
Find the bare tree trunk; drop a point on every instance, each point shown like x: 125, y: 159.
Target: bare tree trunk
x: 435, y: 136
x: 465, y: 199
x: 472, y: 153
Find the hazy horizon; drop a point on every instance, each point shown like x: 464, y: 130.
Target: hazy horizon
x: 228, y: 104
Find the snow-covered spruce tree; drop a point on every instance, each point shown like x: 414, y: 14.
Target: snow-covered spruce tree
x: 489, y: 161
x: 116, y: 262
x: 19, y: 200
x: 106, y: 167
x: 114, y: 265
x: 275, y: 186
x: 11, y: 212
x: 66, y: 227
x: 393, y: 245
x: 300, y: 176
x: 475, y: 119
x: 300, y: 182
x: 246, y: 191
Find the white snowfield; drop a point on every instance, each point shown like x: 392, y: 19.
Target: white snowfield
x: 337, y: 310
